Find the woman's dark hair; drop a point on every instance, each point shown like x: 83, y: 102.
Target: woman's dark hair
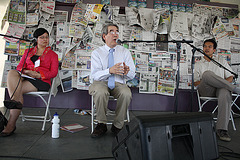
x: 213, y: 41
x: 38, y: 32
x: 105, y: 29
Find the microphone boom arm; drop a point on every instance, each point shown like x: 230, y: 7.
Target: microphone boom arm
x: 31, y: 41
x: 139, y: 41
x: 183, y: 41
x: 214, y: 61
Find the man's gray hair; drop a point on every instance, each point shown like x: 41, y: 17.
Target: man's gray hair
x: 105, y: 29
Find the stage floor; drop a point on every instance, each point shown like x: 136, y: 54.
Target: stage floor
x: 29, y: 142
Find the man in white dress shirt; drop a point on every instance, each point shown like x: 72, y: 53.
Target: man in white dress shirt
x: 123, y: 69
x: 213, y: 81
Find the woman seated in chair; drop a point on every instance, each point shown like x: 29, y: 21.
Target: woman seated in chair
x: 40, y: 63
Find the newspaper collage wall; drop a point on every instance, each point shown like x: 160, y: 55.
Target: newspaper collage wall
x: 156, y: 63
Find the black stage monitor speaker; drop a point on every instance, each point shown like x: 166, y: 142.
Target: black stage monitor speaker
x: 181, y: 136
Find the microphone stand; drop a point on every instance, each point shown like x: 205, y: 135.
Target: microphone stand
x: 214, y: 61
x: 192, y: 85
x: 178, y: 76
x: 178, y: 43
x: 31, y: 41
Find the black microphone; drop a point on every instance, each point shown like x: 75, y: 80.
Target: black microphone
x: 119, y: 42
x: 184, y: 51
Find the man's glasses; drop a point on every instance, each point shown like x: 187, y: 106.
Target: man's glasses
x: 114, y: 32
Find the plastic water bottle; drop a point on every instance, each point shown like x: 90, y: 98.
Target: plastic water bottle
x: 55, y: 126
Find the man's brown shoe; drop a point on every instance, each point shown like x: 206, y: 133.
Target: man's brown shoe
x: 99, y: 131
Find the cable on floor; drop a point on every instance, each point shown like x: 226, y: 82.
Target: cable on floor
x: 230, y: 154
x: 225, y: 148
x: 96, y: 158
x: 20, y: 157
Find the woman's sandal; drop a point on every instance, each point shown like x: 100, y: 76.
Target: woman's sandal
x: 12, y: 104
x: 4, y: 134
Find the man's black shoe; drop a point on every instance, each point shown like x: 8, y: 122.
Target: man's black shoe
x: 99, y: 131
x: 223, y: 135
x: 115, y: 130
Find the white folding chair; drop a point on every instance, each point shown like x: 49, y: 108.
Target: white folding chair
x: 208, y: 99
x: 46, y: 98
x: 234, y: 103
x: 109, y: 113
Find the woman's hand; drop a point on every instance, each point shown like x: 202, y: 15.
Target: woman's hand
x: 31, y: 73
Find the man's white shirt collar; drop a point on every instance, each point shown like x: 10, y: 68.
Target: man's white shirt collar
x: 108, y: 48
